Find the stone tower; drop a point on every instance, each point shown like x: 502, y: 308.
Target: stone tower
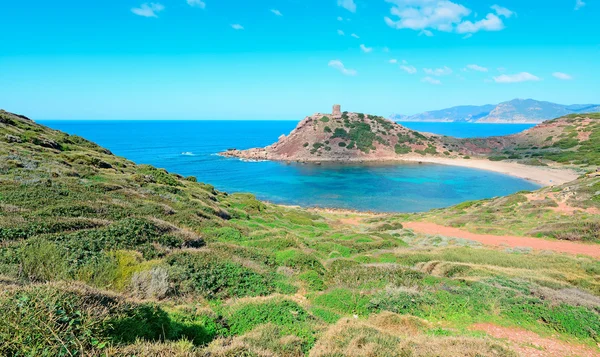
x: 337, y: 111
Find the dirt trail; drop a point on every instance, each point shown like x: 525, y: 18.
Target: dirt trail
x: 511, y: 241
x: 530, y: 344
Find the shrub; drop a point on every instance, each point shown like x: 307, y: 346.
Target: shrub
x: 281, y: 313
x: 215, y: 277
x: 325, y: 119
x: 297, y: 259
x: 42, y: 260
x: 327, y: 129
x: 313, y: 280
x: 402, y: 149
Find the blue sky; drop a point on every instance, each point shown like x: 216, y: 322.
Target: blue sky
x: 284, y: 59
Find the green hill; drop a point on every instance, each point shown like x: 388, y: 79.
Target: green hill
x: 570, y: 140
x: 103, y: 257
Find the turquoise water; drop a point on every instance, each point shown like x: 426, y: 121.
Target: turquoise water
x: 190, y: 147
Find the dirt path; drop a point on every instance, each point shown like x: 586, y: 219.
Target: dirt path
x: 511, y: 241
x: 530, y: 344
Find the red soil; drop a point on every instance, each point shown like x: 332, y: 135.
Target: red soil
x: 530, y: 344
x: 511, y: 241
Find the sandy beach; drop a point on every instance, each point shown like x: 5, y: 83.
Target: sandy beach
x: 543, y: 175
x: 546, y: 176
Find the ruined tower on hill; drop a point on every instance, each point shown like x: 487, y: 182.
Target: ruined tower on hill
x: 337, y: 111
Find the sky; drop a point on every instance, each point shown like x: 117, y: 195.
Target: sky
x: 285, y: 59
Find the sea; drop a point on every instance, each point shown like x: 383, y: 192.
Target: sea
x: 191, y: 147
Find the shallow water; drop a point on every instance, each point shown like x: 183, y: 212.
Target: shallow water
x: 190, y: 147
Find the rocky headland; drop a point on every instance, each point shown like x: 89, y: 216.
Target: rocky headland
x: 553, y: 152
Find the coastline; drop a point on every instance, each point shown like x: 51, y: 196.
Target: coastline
x: 542, y: 175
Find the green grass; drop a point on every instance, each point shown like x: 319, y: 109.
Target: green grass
x: 100, y: 254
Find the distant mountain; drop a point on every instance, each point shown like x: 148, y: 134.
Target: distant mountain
x: 514, y: 111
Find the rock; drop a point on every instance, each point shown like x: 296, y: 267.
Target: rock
x: 13, y: 139
x: 47, y: 143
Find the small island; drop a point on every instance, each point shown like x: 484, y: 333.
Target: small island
x: 553, y: 152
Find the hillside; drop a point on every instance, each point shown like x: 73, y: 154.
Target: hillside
x: 103, y: 257
x: 569, y: 140
x: 344, y: 137
x: 355, y: 137
x: 514, y: 111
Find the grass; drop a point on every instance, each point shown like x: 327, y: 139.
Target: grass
x: 99, y: 255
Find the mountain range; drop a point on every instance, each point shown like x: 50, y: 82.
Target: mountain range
x: 515, y: 111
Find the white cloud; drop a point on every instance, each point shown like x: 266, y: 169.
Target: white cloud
x: 340, y: 32
x: 516, y: 78
x: 490, y: 23
x: 444, y: 71
x: 467, y: 36
x: 355, y: 35
x: 197, y: 3
x: 348, y: 5
x: 431, y: 80
x: 393, y: 61
x: 366, y: 49
x: 502, y: 11
x: 442, y: 15
x: 340, y: 18
x: 148, y: 9
x: 276, y: 12
x: 563, y: 76
x: 408, y: 69
x: 237, y: 27
x: 579, y: 4
x: 337, y: 64
x: 477, y: 68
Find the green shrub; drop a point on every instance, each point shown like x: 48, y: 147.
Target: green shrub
x: 281, y: 313
x: 343, y: 301
x: 327, y: 129
x: 42, y: 260
x: 297, y: 259
x: 402, y: 149
x: 325, y: 119
x: 215, y: 277
x: 313, y: 280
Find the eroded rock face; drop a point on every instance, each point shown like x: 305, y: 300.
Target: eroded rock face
x: 355, y: 137
x: 342, y: 136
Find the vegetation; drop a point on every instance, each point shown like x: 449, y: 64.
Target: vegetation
x: 100, y: 256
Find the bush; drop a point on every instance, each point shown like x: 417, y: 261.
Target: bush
x: 325, y: 119
x: 42, y: 260
x: 281, y: 313
x: 402, y: 149
x: 297, y: 259
x: 215, y: 277
x: 313, y: 280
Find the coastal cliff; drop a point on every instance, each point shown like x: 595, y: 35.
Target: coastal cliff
x: 355, y: 137
x: 343, y: 136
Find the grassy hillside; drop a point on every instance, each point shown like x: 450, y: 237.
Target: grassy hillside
x: 567, y: 212
x: 100, y: 256
x: 570, y: 140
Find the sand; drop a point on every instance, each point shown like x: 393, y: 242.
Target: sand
x: 592, y: 250
x: 545, y: 176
